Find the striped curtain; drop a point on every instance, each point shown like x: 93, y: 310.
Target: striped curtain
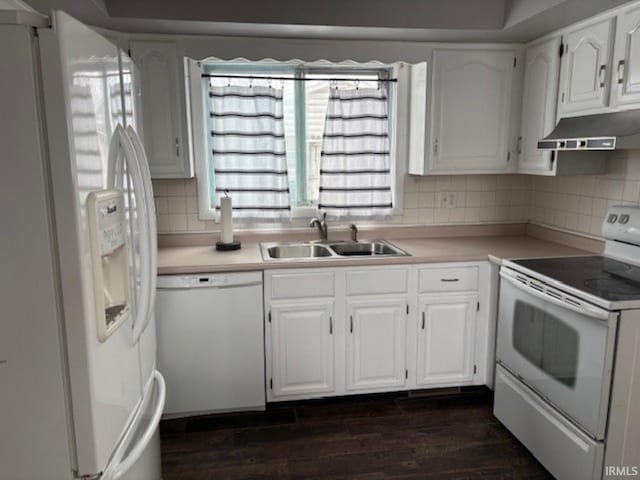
x: 355, y: 175
x: 249, y: 158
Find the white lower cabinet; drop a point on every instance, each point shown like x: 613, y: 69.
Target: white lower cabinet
x: 302, y: 348
x: 446, y: 334
x: 376, y: 344
x: 350, y: 330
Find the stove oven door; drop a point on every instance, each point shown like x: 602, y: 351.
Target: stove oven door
x: 560, y: 346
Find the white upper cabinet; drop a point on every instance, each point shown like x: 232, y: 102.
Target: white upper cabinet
x: 626, y: 73
x: 161, y: 98
x: 540, y: 95
x: 471, y: 110
x: 585, y: 73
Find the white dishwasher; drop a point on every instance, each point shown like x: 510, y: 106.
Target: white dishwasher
x: 211, y: 342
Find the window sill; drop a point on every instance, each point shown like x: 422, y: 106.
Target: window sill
x: 304, y: 212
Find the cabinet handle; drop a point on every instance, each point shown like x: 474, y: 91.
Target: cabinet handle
x: 519, y: 147
x: 423, y: 320
x: 350, y: 323
x: 449, y: 279
x: 602, y: 75
x: 330, y: 325
x: 177, y: 147
x: 621, y: 65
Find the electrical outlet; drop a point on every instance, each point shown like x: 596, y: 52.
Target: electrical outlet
x: 447, y: 199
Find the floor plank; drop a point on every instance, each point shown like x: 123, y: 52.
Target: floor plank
x: 377, y: 437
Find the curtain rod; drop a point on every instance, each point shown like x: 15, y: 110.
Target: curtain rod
x: 303, y: 79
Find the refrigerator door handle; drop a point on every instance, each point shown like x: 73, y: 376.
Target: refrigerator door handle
x: 150, y: 230
x: 147, y: 252
x: 122, y: 466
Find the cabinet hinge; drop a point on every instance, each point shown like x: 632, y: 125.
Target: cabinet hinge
x: 407, y: 309
x: 271, y: 383
x: 515, y: 61
x: 269, y: 316
x: 475, y: 369
x: 477, y: 306
x: 561, y: 49
x: 406, y: 373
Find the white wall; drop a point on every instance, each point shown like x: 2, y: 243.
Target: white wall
x: 481, y: 199
x: 308, y: 49
x: 574, y: 203
x: 578, y: 203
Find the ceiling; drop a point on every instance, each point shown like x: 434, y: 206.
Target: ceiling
x: 418, y: 20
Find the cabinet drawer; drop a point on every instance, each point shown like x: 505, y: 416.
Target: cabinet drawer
x: 375, y: 282
x: 448, y: 279
x: 302, y: 285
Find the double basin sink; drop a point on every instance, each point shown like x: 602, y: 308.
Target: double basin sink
x: 329, y: 250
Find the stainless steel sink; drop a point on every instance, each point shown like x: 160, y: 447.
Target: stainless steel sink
x: 299, y: 250
x: 332, y: 250
x: 366, y: 249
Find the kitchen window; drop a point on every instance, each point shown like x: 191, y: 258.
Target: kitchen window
x: 305, y: 97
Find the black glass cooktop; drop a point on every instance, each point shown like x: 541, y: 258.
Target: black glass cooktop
x: 602, y: 277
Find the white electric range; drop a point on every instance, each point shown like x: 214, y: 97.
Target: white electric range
x: 568, y: 343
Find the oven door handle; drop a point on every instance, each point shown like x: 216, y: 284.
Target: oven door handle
x: 583, y: 309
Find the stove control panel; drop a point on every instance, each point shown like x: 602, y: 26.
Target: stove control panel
x: 622, y: 223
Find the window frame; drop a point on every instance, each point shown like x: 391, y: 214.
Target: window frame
x: 200, y: 108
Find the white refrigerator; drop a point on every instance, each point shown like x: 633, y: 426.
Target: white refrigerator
x: 80, y: 396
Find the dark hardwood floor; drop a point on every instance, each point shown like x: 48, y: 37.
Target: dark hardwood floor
x: 391, y: 436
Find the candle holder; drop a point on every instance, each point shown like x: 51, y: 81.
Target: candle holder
x: 228, y: 247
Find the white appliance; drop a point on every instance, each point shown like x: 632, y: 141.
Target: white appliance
x: 558, y: 326
x: 81, y: 397
x: 211, y: 342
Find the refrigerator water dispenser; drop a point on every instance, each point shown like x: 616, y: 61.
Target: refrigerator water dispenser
x: 110, y: 258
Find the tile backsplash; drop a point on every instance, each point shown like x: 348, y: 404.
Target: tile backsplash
x: 479, y: 199
x: 573, y: 203
x: 579, y: 203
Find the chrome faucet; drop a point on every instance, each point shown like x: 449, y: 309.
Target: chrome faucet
x: 354, y: 232
x: 322, y: 226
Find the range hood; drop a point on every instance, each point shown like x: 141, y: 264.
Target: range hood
x: 601, y: 132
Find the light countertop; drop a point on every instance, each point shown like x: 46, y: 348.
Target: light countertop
x: 205, y: 259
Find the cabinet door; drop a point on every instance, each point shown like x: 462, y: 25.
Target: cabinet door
x: 626, y: 77
x: 376, y: 338
x: 585, y: 69
x: 446, y: 332
x: 471, y: 110
x: 302, y: 348
x: 160, y: 87
x: 540, y: 97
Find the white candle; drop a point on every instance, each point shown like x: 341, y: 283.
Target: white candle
x: 226, y: 227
